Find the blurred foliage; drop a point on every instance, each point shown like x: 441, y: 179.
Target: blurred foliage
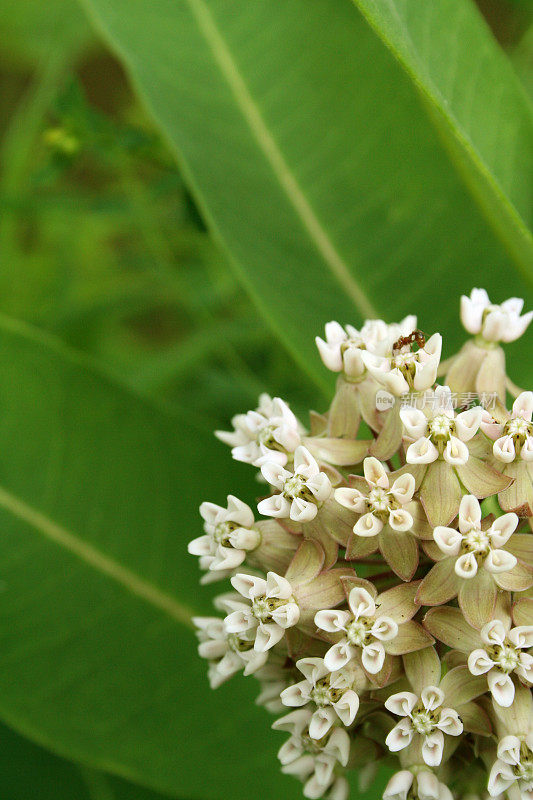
x: 115, y: 257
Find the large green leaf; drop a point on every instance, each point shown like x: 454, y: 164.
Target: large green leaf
x: 28, y: 771
x: 477, y: 102
x: 98, y: 497
x: 314, y: 161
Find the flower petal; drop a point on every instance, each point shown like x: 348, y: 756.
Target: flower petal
x: 448, y: 540
x: 368, y: 525
x: 373, y: 657
x: 423, y: 451
x: 361, y: 602
x: 352, y: 499
x: 499, y: 561
x: 332, y: 621
x: 479, y: 662
x: 432, y: 748
x: 400, y: 736
x: 466, y: 566
x: 456, y: 451
x: 432, y: 697
x: 401, y: 703
x: 501, y: 687
x: 339, y: 655
x: 502, y: 529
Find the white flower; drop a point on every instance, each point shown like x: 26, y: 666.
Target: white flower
x: 438, y: 432
x: 423, y: 786
x: 405, y: 369
x: 383, y: 503
x: 271, y: 432
x: 502, y: 656
x: 343, y: 347
x: 514, y: 765
x: 514, y: 438
x: 474, y: 547
x: 227, y: 653
x: 331, y: 692
x: 312, y: 761
x: 270, y: 609
x: 301, y: 491
x: 426, y: 717
x: 493, y: 323
x: 362, y: 630
x: 229, y: 535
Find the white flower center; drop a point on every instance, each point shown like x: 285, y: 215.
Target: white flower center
x: 506, y: 657
x: 441, y: 427
x: 379, y: 500
x: 262, y: 607
x: 323, y: 694
x: 476, y: 541
x: 222, y: 532
x: 518, y: 427
x: 403, y: 360
x: 295, y: 486
x: 424, y: 721
x: 357, y: 632
x: 266, y: 437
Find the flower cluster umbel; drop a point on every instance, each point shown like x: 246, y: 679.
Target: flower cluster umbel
x: 382, y: 586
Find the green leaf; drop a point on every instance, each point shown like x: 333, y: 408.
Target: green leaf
x: 31, y: 29
x: 313, y: 160
x: 27, y: 770
x: 99, y: 493
x: 477, y: 102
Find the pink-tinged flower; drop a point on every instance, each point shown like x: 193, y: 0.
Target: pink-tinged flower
x: 502, y: 655
x: 513, y: 767
x: 473, y: 547
x: 499, y: 651
x: 270, y: 433
x: 376, y: 628
x: 389, y: 518
x: 343, y: 347
x: 478, y: 560
x: 333, y: 694
x: 405, y: 369
x: 419, y: 784
x: 381, y: 504
x: 300, y: 492
x: 493, y: 323
x: 227, y: 653
x: 435, y: 707
x: 513, y: 437
x: 229, y: 535
x: 270, y: 609
x: 314, y: 762
x: 363, y: 630
x: 437, y: 431
x: 444, y: 453
x: 424, y: 716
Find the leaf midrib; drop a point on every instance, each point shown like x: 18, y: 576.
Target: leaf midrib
x: 267, y: 144
x: 432, y: 95
x: 93, y: 557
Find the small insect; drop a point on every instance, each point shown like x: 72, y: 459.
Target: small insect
x: 416, y: 337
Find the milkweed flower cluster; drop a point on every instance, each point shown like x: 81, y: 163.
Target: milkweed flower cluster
x: 380, y: 589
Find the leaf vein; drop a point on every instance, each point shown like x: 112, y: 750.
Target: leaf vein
x: 95, y: 558
x: 267, y: 143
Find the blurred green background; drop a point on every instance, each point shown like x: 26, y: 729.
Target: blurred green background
x: 101, y: 244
